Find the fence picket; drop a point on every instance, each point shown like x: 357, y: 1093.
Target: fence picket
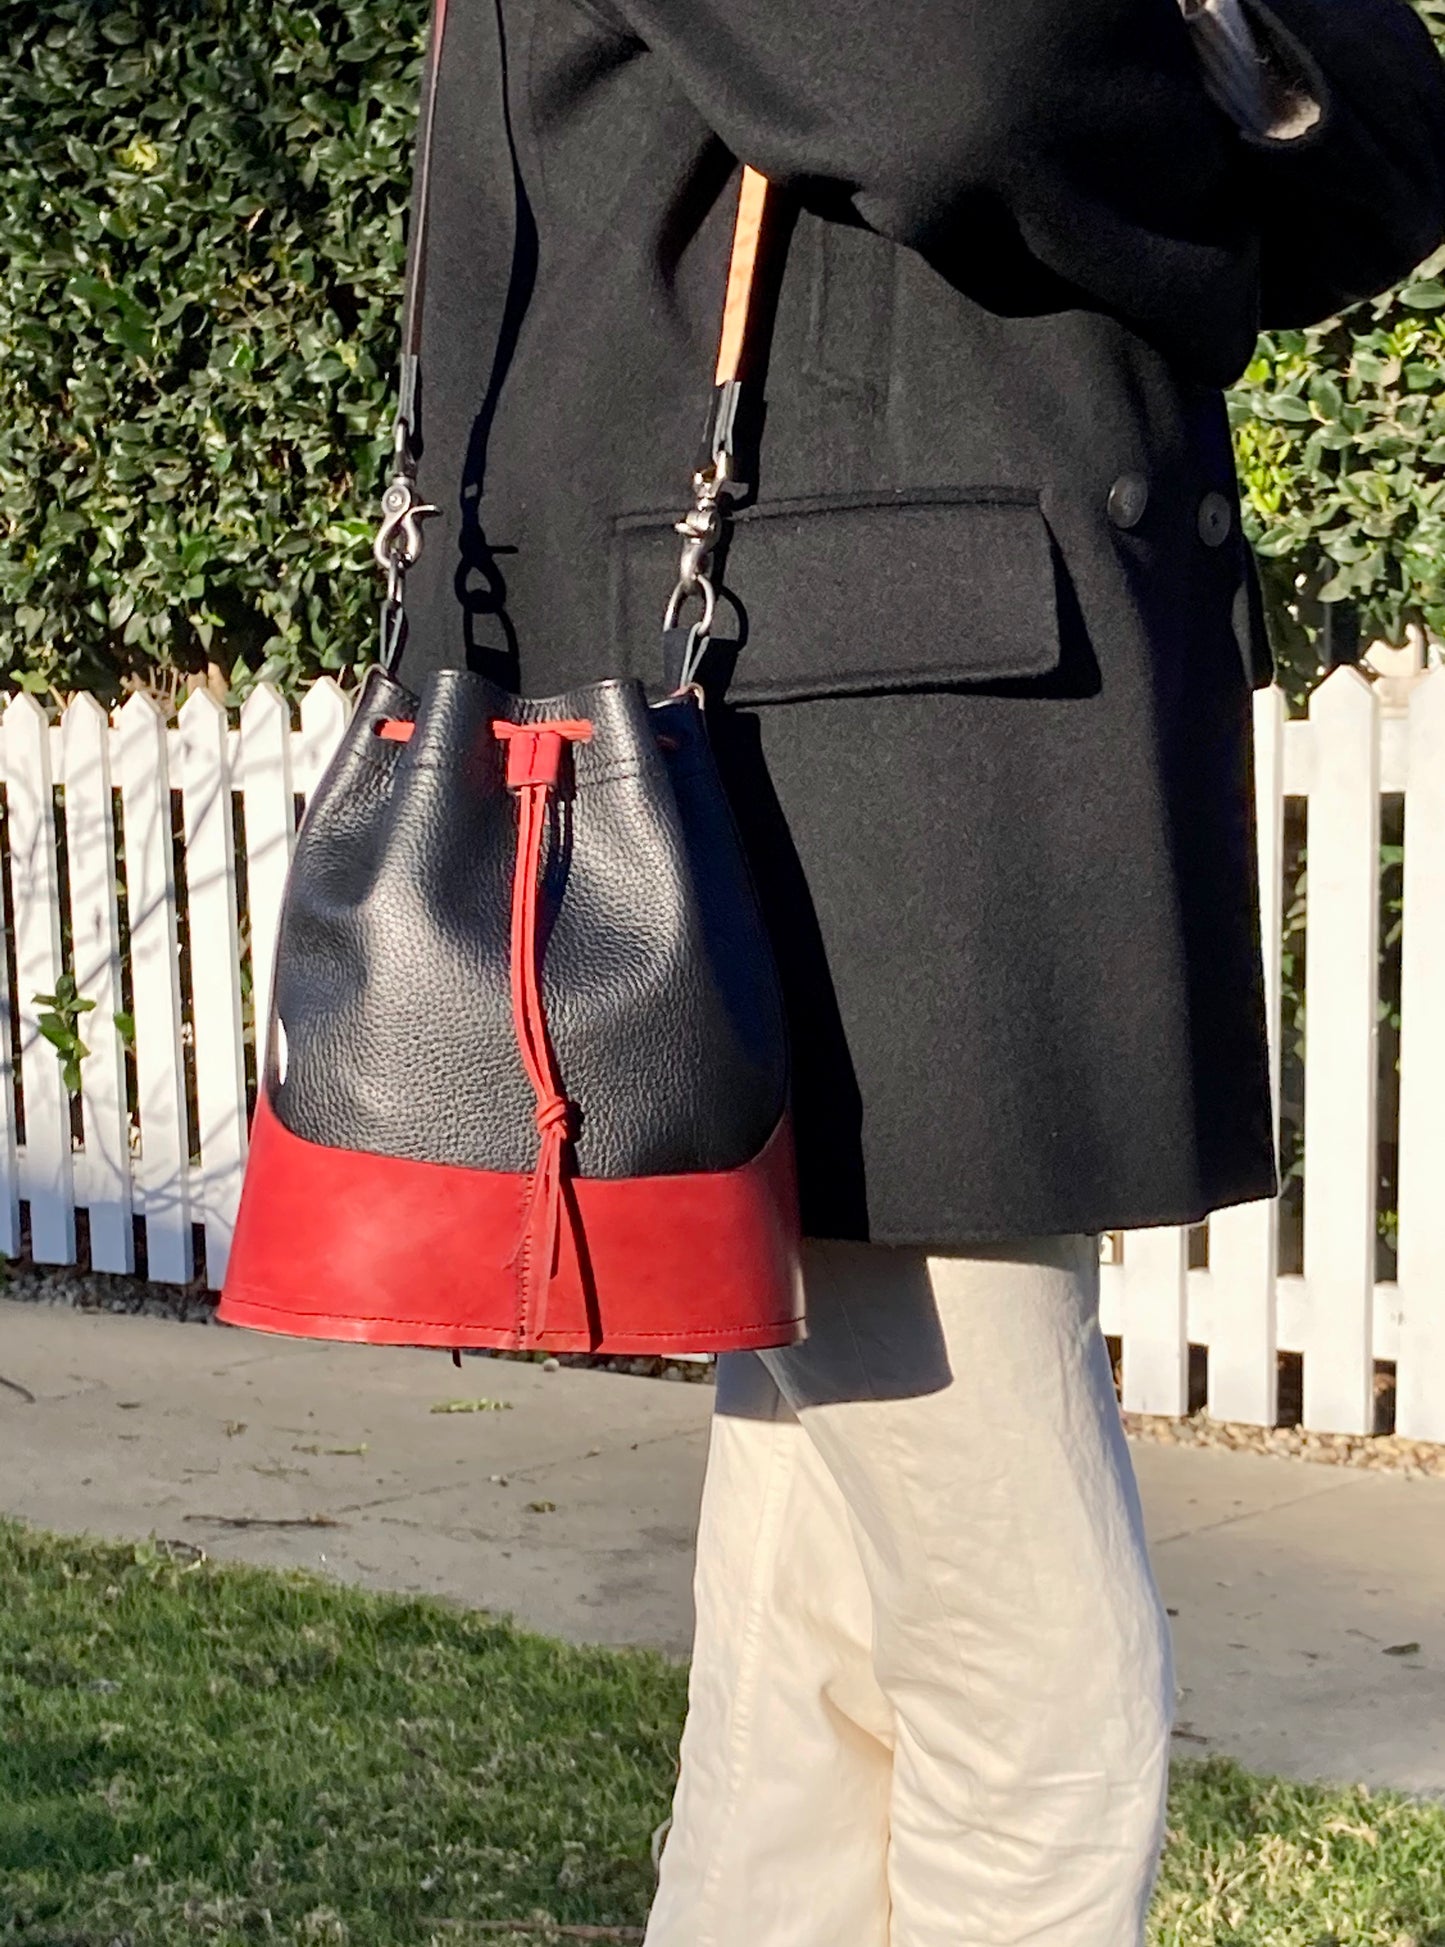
x: 95, y: 930
x: 1341, y: 945
x: 9, y: 1153
x: 269, y: 799
x: 47, y: 1179
x: 205, y: 782
x: 1244, y: 1242
x: 1156, y: 1320
x: 325, y: 713
x: 163, y: 1165
x: 1420, y: 1372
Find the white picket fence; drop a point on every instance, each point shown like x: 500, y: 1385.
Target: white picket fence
x: 143, y: 1159
x: 1343, y: 760
x: 142, y: 1152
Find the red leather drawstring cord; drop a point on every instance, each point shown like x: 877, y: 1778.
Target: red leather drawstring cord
x: 534, y: 764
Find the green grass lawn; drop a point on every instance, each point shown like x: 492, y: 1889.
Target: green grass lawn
x: 191, y: 1753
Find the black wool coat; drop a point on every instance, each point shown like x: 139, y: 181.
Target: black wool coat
x: 990, y: 623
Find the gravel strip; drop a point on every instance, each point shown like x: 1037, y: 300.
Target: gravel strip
x: 1388, y: 1453
x: 194, y: 1305
x: 101, y: 1291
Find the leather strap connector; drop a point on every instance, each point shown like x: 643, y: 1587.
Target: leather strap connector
x: 742, y: 275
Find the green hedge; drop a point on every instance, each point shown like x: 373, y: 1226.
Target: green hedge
x: 1340, y: 437
x: 200, y: 247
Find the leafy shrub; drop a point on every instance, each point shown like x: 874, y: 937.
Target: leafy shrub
x: 200, y: 246
x: 1340, y: 437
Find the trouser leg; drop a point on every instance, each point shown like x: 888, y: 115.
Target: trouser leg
x: 780, y: 1825
x: 932, y: 1689
x: 966, y: 1410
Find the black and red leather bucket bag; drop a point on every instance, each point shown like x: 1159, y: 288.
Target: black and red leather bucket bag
x: 525, y: 1081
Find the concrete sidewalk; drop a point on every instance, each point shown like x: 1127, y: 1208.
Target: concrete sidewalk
x: 1296, y: 1589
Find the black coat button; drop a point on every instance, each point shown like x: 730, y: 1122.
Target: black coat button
x: 1216, y: 519
x: 1128, y: 497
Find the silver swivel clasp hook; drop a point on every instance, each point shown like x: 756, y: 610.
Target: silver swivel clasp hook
x: 399, y: 540
x: 399, y: 537
x: 701, y: 528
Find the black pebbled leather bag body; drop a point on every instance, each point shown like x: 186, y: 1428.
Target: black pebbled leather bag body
x: 588, y: 1147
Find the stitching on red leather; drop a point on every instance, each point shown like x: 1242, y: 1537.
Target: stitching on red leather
x: 382, y: 1318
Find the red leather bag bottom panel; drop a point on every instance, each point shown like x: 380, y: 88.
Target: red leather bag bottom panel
x: 338, y: 1244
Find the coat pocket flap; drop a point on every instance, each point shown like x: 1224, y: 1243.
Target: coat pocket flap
x: 851, y: 594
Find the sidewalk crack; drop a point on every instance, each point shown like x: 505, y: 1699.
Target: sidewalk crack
x: 1246, y: 1514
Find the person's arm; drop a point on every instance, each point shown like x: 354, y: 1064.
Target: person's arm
x: 1037, y: 151
x: 1034, y: 149
x: 1349, y: 206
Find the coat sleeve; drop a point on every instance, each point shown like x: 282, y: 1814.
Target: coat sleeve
x: 1349, y: 207
x: 1033, y: 149
x: 1030, y: 149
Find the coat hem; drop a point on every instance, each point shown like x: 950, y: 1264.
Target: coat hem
x: 956, y: 1239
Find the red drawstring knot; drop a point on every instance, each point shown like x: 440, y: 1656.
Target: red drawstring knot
x: 554, y: 1117
x: 534, y: 766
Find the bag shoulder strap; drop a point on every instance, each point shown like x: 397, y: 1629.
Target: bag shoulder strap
x: 398, y: 542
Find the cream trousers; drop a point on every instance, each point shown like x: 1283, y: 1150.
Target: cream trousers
x: 931, y: 1689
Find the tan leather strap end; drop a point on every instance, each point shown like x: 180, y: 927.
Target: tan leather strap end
x: 742, y: 275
